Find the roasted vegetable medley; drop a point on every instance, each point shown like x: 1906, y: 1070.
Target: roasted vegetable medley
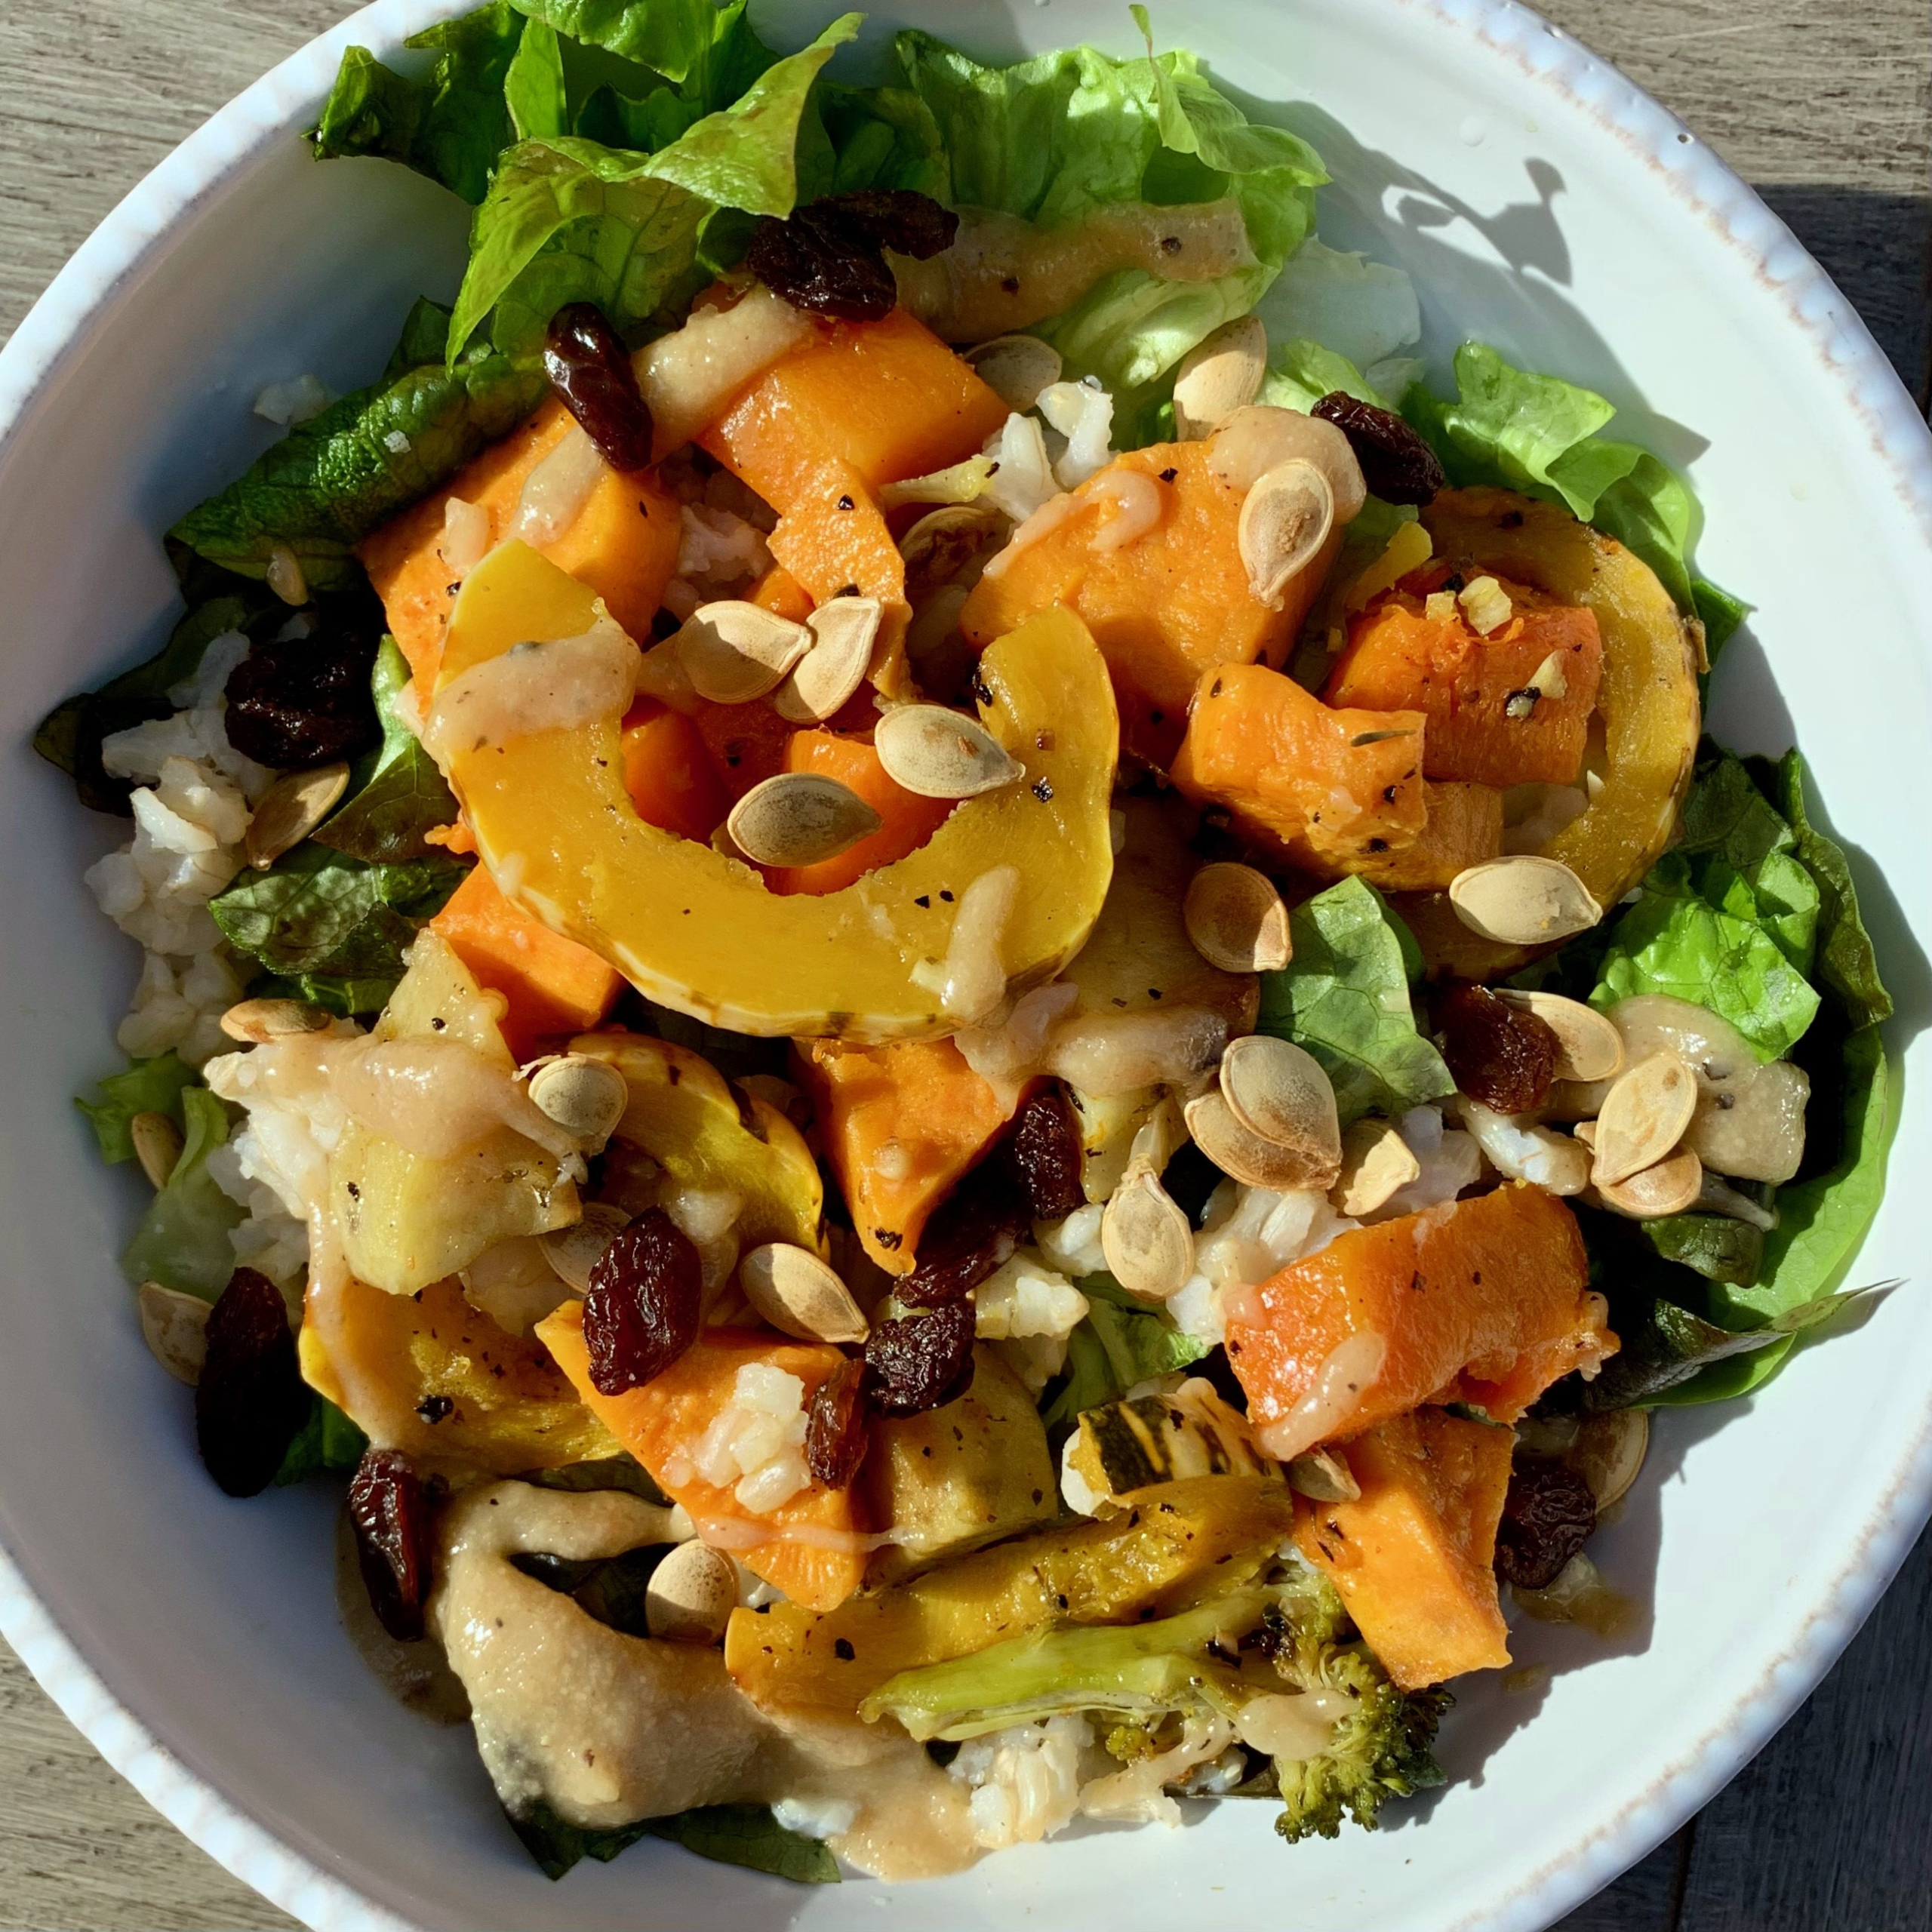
x: 974, y: 1016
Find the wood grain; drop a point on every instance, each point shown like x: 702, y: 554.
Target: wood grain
x: 1825, y: 109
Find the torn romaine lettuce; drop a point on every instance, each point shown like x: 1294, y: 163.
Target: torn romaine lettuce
x: 148, y: 1087
x: 182, y: 1241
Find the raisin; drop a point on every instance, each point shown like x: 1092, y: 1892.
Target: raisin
x: 1396, y: 464
x: 920, y: 1361
x: 1502, y: 1055
x: 836, y: 1432
x: 299, y: 702
x: 591, y: 373
x: 900, y: 219
x: 1043, y: 1151
x: 250, y: 1403
x: 829, y: 257
x: 1547, y: 1518
x: 389, y: 1507
x: 972, y: 1232
x: 641, y: 1311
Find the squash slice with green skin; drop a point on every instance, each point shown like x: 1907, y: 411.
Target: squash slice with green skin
x: 700, y: 933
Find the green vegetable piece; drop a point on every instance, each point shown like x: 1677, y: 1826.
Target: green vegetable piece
x: 149, y: 1086
x: 182, y: 1241
x: 1300, y: 373
x: 1720, y: 613
x: 621, y: 1472
x: 880, y: 137
x: 329, y: 1444
x: 1345, y: 997
x: 1714, y: 1246
x: 534, y: 89
x: 611, y: 1589
x: 1847, y: 962
x: 400, y: 796
x: 1121, y: 1342
x: 746, y: 1834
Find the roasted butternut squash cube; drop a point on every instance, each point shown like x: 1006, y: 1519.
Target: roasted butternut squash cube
x: 906, y: 820
x: 1462, y: 827
x: 668, y: 772
x: 1412, y: 1555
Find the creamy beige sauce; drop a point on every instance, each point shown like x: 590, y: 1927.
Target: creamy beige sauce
x: 1347, y: 1369
x: 607, y: 1729
x: 971, y: 981
x: 1002, y: 273
x: 687, y: 376
x: 418, y: 1674
x: 535, y: 687
x: 555, y: 493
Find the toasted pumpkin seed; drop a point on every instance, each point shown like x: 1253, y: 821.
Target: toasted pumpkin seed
x: 941, y: 753
x: 573, y: 1251
x: 1159, y: 1137
x: 844, y: 630
x: 801, y: 1295
x: 1322, y: 1476
x: 1015, y: 368
x: 691, y: 1595
x: 1146, y: 1238
x: 1523, y: 899
x: 798, y: 819
x: 1220, y: 375
x: 1236, y: 920
x: 1260, y: 438
x: 289, y: 809
x: 734, y: 652
x: 1279, y: 1091
x: 157, y: 1146
x: 1609, y: 1452
x: 1645, y: 1114
x: 174, y: 1326
x: 949, y: 546
x: 585, y: 1096
x: 1588, y: 1047
x: 1244, y: 1156
x: 1285, y: 519
x: 1670, y: 1187
x: 1377, y: 1163
x: 259, y: 1021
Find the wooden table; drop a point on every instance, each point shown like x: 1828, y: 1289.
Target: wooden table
x: 1823, y: 104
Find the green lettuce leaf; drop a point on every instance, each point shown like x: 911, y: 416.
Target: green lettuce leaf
x: 450, y: 125
x: 182, y: 1241
x: 1344, y: 996
x: 323, y: 914
x: 1713, y: 1245
x: 1365, y: 311
x: 1846, y: 960
x: 534, y: 91
x: 1301, y: 372
x: 571, y: 220
x: 401, y: 795
x: 880, y: 137
x: 677, y: 38
x: 1727, y: 920
x: 330, y: 481
x: 328, y: 1443
x: 148, y: 1087
x: 1122, y: 1342
x: 1541, y: 435
x: 745, y: 1834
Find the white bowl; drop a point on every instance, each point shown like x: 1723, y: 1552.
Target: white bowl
x: 1544, y: 203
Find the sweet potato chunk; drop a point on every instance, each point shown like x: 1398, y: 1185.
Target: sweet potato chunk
x: 901, y: 1123
x: 1411, y: 1556
x: 623, y: 544
x: 908, y: 821
x: 1484, y: 1301
x: 668, y: 772
x: 661, y: 1423
x: 1164, y: 609
x: 1463, y: 828
x: 1331, y: 788
x: 1499, y: 713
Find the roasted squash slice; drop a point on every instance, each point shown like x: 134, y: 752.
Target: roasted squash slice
x: 1648, y: 701
x: 699, y: 933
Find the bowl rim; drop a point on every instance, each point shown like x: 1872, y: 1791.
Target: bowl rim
x: 1759, y: 243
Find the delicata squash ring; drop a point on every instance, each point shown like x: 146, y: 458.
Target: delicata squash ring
x: 700, y: 933
x: 1648, y: 704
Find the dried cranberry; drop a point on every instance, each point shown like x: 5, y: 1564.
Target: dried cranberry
x: 250, y: 1403
x: 297, y: 702
x: 838, y: 1431
x: 390, y: 1508
x: 1396, y: 464
x: 900, y: 219
x: 590, y: 370
x: 1043, y: 1151
x: 829, y: 256
x: 1547, y: 1518
x: 971, y: 1232
x: 920, y: 1361
x: 1502, y: 1055
x: 641, y: 1311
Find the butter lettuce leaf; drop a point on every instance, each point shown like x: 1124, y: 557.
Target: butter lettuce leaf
x: 745, y: 1834
x: 148, y: 1087
x: 327, y: 1443
x: 1846, y: 960
x: 1121, y: 1341
x: 182, y: 1241
x: 399, y: 796
x: 1344, y: 996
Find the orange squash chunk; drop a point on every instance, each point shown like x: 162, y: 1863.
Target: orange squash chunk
x: 1400, y: 657
x: 661, y: 1423
x: 1485, y: 1301
x: 668, y: 772
x: 1463, y: 828
x: 1411, y: 1556
x: 908, y: 819
x: 553, y: 984
x: 1331, y: 787
x: 624, y: 543
x: 901, y: 1123
x: 780, y: 591
x: 746, y: 743
x: 1164, y: 609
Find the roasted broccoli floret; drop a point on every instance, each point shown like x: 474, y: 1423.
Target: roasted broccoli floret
x: 1381, y: 1746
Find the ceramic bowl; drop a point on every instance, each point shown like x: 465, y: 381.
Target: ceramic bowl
x: 1542, y: 203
